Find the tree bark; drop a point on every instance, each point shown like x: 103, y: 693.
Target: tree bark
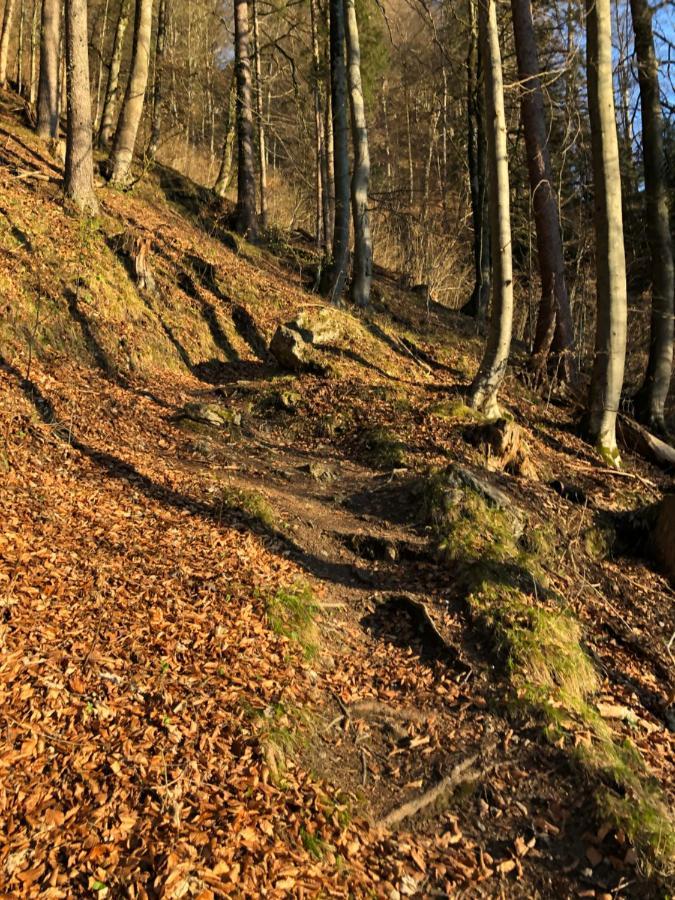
x: 48, y: 88
x: 477, y: 304
x: 34, y: 43
x: 4, y: 41
x: 112, y: 88
x: 79, y: 175
x: 19, y: 49
x: 132, y: 109
x: 363, y: 245
x: 651, y: 399
x: 555, y: 305
x: 262, y: 150
x: 246, y: 217
x: 483, y: 392
x: 225, y: 173
x: 319, y: 196
x: 334, y: 285
x: 101, y: 48
x: 610, y: 336
x: 158, y: 89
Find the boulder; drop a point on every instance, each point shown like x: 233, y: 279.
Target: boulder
x: 318, y: 326
x: 664, y: 535
x: 290, y: 349
x: 212, y: 414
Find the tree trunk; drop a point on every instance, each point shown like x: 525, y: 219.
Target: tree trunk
x: 363, y: 245
x: 319, y: 197
x: 554, y: 305
x: 329, y: 144
x: 112, y: 88
x: 477, y: 305
x: 101, y: 49
x: 225, y: 174
x: 158, y: 90
x: 246, y: 218
x: 132, y: 109
x: 4, y: 41
x: 79, y: 176
x: 19, y: 49
x: 652, y: 397
x: 483, y: 393
x: 262, y: 152
x: 335, y: 283
x: 34, y: 43
x: 610, y: 336
x: 48, y: 89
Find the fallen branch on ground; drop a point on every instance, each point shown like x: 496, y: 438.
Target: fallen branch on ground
x: 461, y: 772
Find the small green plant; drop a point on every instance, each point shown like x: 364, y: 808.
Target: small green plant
x: 291, y: 612
x: 312, y: 844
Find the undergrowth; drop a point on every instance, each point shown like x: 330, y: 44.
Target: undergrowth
x: 540, y: 645
x: 382, y: 448
x: 252, y: 503
x: 291, y: 612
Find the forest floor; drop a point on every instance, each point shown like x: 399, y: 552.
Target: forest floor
x: 229, y: 651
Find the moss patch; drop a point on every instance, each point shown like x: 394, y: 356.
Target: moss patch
x: 382, y: 448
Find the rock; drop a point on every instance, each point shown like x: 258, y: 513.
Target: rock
x: 664, y: 535
x: 290, y: 349
x: 208, y: 414
x: 318, y: 327
x: 319, y: 471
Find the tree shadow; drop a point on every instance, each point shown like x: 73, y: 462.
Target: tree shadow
x: 92, y: 344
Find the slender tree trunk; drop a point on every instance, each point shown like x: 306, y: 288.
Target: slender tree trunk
x: 652, y: 397
x: 48, y: 89
x: 329, y: 144
x: 101, y: 51
x: 363, y: 244
x: 132, y: 109
x: 477, y: 305
x: 610, y: 337
x: 262, y: 150
x: 79, y: 176
x: 112, y: 88
x: 225, y: 173
x: 246, y: 217
x: 34, y: 43
x: 334, y: 284
x: 555, y: 305
x: 158, y: 90
x: 4, y: 41
x: 387, y: 138
x: 319, y: 197
x: 411, y: 166
x: 483, y: 393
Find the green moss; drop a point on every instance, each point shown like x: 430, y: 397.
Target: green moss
x: 250, y: 502
x: 598, y: 541
x: 313, y: 844
x: 382, y: 448
x: 291, y: 612
x: 609, y: 455
x: 455, y: 411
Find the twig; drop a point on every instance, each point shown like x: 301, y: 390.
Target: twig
x: 412, y: 807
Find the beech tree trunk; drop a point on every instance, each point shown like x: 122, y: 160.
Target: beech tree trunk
x: 225, y: 173
x: 100, y: 50
x: 4, y: 41
x: 483, y: 393
x: 554, y: 305
x: 112, y: 88
x: 34, y: 43
x: 477, y: 305
x: 48, y: 88
x: 610, y: 336
x: 319, y: 197
x: 362, y: 274
x: 262, y: 149
x: 132, y: 109
x: 335, y: 282
x: 246, y: 217
x: 652, y: 396
x: 19, y: 49
x: 158, y: 90
x: 79, y: 176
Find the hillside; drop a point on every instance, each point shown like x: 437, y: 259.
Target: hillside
x: 248, y: 614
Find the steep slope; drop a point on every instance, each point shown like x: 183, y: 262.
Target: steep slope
x: 235, y: 641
